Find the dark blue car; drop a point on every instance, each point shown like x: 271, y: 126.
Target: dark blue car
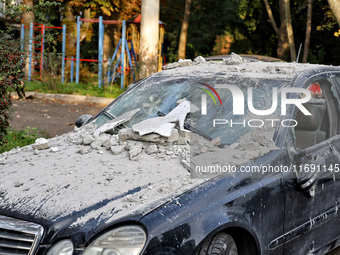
x: 251, y: 167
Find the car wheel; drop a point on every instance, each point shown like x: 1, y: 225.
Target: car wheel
x: 220, y: 244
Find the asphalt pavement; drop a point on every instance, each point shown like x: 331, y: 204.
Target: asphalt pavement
x: 50, y: 116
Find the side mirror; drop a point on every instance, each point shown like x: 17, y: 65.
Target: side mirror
x: 83, y: 119
x: 307, y: 179
x: 308, y: 172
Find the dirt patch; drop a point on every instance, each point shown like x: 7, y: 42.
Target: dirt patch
x: 52, y: 117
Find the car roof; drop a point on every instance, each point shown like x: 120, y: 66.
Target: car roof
x: 268, y: 70
x: 249, y: 57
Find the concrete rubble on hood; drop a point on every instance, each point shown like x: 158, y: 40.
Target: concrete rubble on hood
x: 164, y: 125
x: 41, y: 144
x: 116, y: 122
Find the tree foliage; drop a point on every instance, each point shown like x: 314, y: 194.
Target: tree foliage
x: 12, y: 60
x: 242, y: 26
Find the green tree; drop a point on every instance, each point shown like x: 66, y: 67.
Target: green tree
x: 11, y: 58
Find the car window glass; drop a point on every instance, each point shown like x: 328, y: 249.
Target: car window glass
x: 315, y: 128
x: 161, y: 94
x: 150, y: 97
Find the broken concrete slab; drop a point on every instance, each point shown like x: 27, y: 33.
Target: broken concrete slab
x: 100, y: 140
x: 128, y: 134
x: 41, y: 144
x: 87, y: 138
x: 116, y: 122
x: 185, y: 62
x: 135, y: 150
x: 171, y: 66
x: 84, y: 150
x: 234, y: 59
x: 199, y: 60
x: 164, y: 125
x: 151, y: 149
x: 112, y: 142
x: 116, y: 150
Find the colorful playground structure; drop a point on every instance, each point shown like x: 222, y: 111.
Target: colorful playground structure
x: 117, y: 66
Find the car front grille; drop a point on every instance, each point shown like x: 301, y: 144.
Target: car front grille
x: 19, y: 237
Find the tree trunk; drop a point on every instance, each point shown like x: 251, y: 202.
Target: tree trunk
x: 281, y: 32
x: 335, y: 6
x: 71, y: 30
x: 184, y: 31
x: 28, y: 18
x: 149, y: 37
x: 308, y: 31
x: 271, y: 17
x: 290, y: 31
x: 283, y: 43
x: 86, y: 25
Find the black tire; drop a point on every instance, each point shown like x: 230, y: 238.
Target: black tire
x: 220, y: 244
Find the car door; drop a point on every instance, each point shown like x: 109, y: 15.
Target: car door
x: 313, y: 187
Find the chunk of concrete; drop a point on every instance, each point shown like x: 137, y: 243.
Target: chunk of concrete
x: 164, y: 125
x: 84, y: 150
x: 171, y: 66
x: 135, y: 150
x: 117, y: 149
x: 116, y: 122
x: 199, y: 60
x: 151, y: 149
x: 112, y: 142
x: 185, y: 62
x: 41, y: 144
x: 87, y: 138
x: 128, y: 134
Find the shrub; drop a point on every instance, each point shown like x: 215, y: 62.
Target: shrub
x: 11, y: 76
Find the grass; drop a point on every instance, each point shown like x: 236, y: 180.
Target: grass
x: 20, y: 138
x: 57, y: 87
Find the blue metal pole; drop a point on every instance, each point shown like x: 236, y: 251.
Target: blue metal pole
x: 63, y: 56
x: 110, y: 66
x: 22, y: 37
x: 72, y: 63
x: 134, y: 55
x: 115, y: 53
x: 116, y: 66
x: 123, y: 56
x: 78, y: 51
x: 30, y: 52
x: 130, y: 61
x: 100, y: 51
x: 108, y: 71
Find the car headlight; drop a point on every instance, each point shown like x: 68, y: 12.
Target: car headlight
x: 64, y: 247
x: 128, y: 240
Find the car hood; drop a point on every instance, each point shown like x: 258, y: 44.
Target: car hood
x: 62, y: 188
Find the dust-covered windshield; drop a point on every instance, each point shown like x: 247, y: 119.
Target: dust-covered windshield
x: 212, y: 104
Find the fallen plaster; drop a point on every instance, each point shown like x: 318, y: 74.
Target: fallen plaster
x: 116, y: 122
x: 164, y: 125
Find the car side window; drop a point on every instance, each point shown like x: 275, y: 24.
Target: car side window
x: 322, y: 123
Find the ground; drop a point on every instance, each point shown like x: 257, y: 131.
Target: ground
x: 54, y: 118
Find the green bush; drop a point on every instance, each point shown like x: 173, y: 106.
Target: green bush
x: 20, y: 138
x: 11, y: 76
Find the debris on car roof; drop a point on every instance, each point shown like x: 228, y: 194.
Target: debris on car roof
x: 235, y: 64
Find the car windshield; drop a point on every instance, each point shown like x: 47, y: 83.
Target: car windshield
x: 159, y: 95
